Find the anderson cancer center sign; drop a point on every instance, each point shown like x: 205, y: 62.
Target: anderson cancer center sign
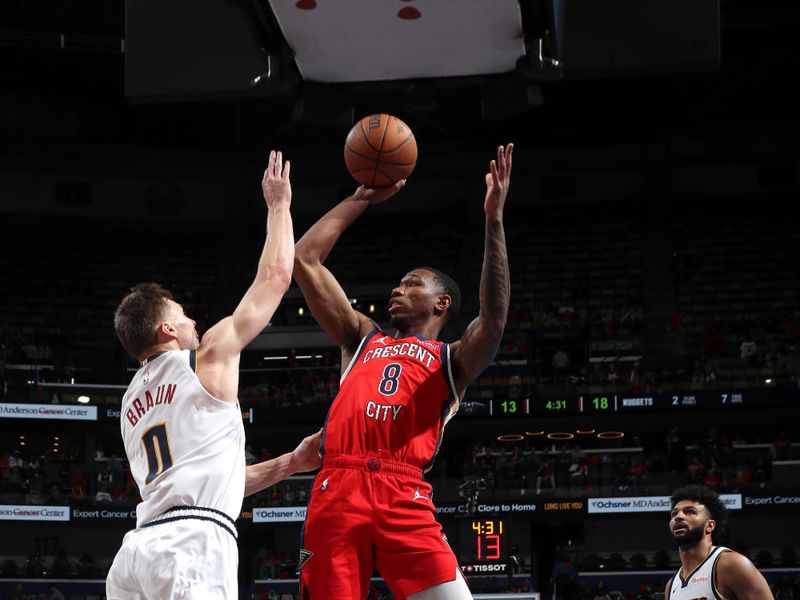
x: 48, y: 411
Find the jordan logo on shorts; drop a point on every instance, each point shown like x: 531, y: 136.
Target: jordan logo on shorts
x: 324, y: 485
x: 418, y: 496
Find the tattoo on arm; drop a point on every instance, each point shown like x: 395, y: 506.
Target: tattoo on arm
x: 482, y: 337
x: 495, y: 288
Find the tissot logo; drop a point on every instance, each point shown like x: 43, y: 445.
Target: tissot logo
x: 484, y: 568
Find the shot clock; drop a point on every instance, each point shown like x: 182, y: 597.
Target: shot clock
x: 485, y: 539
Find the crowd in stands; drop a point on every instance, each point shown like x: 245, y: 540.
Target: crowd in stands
x: 726, y: 463
x: 34, y: 478
x: 60, y: 566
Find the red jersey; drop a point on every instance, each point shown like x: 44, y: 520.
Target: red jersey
x: 394, y: 400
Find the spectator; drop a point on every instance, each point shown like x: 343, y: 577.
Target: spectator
x: 55, y: 593
x: 86, y: 566
x: 710, y: 374
x: 61, y: 568
x: 78, y: 486
x: 712, y: 480
x: 781, y: 447
x: 600, y: 592
x: 695, y: 469
x: 564, y: 579
x: 34, y: 567
x: 516, y: 561
x: 545, y: 474
x: 116, y: 469
x: 637, y: 475
x: 743, y: 479
x: 611, y: 374
x: 578, y: 472
x: 18, y: 593
x: 676, y: 451
x: 15, y: 460
x: 103, y: 493
x: 268, y: 566
x: 748, y: 353
x: 560, y: 364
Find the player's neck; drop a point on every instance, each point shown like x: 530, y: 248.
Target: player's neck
x: 156, y: 348
x: 427, y: 329
x: 694, y: 554
x: 420, y: 331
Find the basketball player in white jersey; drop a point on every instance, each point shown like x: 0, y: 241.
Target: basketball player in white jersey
x: 708, y: 572
x: 183, y: 432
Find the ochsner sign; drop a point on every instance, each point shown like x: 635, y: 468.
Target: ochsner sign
x: 649, y: 504
x: 282, y: 514
x: 48, y: 411
x: 13, y: 512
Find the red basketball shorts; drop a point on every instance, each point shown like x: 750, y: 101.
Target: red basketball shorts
x: 371, y: 512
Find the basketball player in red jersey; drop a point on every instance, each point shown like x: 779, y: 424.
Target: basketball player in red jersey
x: 370, y: 506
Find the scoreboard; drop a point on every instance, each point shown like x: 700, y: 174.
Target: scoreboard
x: 622, y: 403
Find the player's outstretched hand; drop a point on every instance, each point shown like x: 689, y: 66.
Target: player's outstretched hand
x: 378, y: 195
x: 306, y: 456
x: 497, y: 180
x: 275, y: 183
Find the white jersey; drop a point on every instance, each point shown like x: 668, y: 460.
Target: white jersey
x: 699, y: 585
x: 185, y: 447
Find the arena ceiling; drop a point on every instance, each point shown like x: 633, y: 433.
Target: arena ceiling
x: 236, y: 74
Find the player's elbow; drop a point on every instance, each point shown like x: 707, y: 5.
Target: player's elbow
x: 281, y: 278
x: 301, y: 260
x: 277, y: 278
x: 304, y: 256
x: 304, y: 265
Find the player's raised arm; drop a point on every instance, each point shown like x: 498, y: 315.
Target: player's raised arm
x: 219, y: 350
x: 479, y: 344
x: 325, y: 296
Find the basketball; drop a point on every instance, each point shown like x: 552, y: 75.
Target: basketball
x: 380, y: 150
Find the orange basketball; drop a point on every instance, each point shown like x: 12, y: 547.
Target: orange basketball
x: 380, y: 150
